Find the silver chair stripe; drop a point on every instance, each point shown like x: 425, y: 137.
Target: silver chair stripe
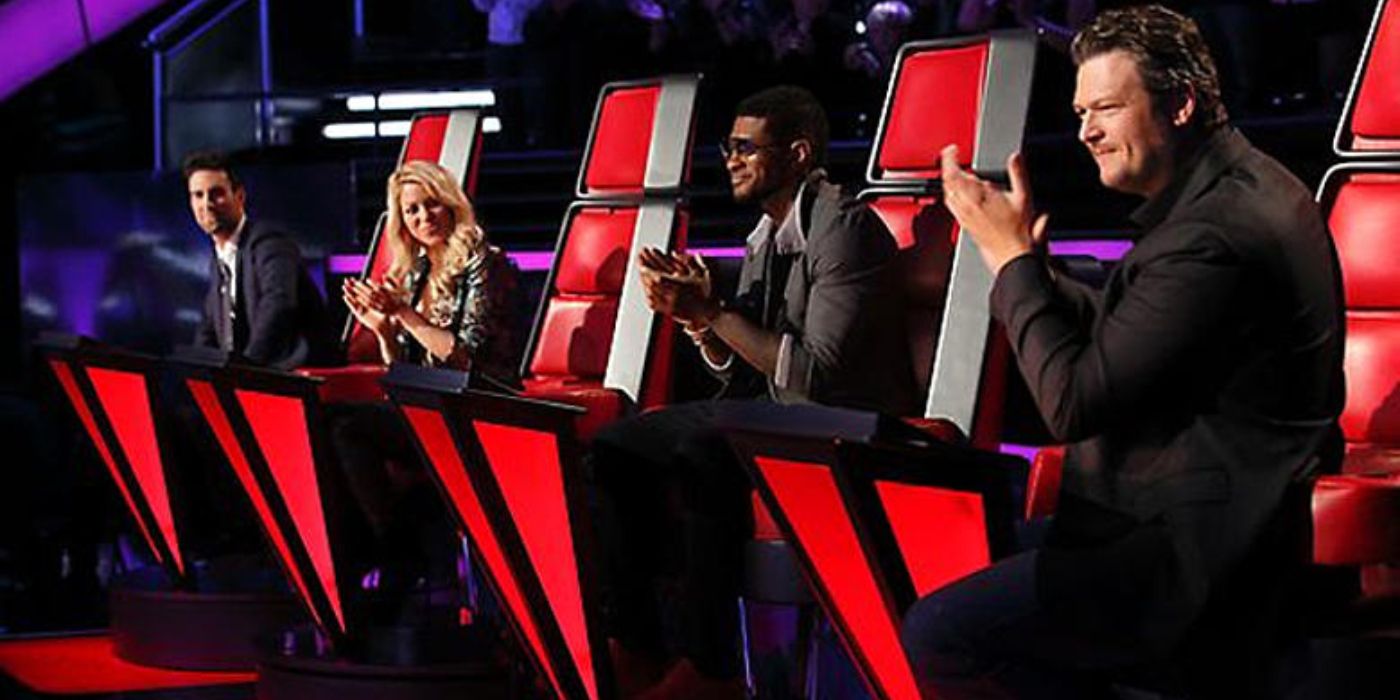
x: 670, y: 131
x: 631, y: 340
x: 463, y: 129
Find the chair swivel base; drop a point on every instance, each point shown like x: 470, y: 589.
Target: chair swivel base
x: 197, y: 631
x: 302, y: 671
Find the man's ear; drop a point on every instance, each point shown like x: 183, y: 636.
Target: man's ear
x: 802, y: 153
x: 1183, y: 106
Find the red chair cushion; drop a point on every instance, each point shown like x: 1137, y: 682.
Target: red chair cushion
x: 1372, y: 413
x: 1371, y: 459
x: 598, y: 242
x: 424, y: 140
x: 1364, y: 219
x: 1356, y: 519
x: 617, y: 158
x: 575, y: 338
x: 936, y: 102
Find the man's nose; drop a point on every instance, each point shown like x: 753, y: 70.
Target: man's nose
x: 1089, y: 132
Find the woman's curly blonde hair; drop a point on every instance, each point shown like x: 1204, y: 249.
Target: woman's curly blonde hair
x: 465, y: 243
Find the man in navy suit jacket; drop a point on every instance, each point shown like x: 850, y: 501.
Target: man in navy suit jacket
x: 261, y: 304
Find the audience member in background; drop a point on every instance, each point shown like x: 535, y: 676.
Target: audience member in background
x: 449, y: 299
x: 886, y: 27
x: 506, y: 63
x: 806, y: 43
x: 261, y: 304
x: 868, y: 63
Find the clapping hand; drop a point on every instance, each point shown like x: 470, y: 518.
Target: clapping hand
x: 678, y: 285
x: 373, y: 304
x: 1001, y: 221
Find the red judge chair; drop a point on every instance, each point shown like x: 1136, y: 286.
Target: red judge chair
x: 156, y: 626
x: 882, y: 511
x: 272, y: 427
x: 510, y: 465
x: 595, y: 343
x: 269, y: 424
x: 1356, y: 515
x: 452, y: 140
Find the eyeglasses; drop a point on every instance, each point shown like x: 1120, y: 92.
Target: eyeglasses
x: 743, y: 148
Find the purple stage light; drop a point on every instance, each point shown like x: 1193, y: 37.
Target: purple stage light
x: 73, y: 279
x: 1105, y: 249
x: 345, y: 264
x: 543, y: 260
x: 1026, y: 452
x: 38, y: 35
x: 526, y: 260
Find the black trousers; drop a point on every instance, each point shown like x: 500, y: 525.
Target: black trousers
x: 673, y: 504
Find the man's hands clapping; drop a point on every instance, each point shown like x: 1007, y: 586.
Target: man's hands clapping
x: 678, y: 285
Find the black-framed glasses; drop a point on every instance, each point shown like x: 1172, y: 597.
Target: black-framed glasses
x: 743, y: 148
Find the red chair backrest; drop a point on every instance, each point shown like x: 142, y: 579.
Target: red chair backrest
x: 973, y: 92
x: 577, y: 322
x: 926, y: 233
x: 1370, y: 124
x: 935, y: 99
x: 593, y: 330
x: 617, y: 159
x: 1363, y: 208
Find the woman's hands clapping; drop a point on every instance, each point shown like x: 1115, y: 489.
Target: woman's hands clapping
x: 373, y: 304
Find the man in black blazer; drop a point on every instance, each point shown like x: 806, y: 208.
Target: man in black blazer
x: 261, y: 304
x: 1194, y: 390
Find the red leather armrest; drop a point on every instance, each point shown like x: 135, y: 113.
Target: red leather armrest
x: 349, y: 383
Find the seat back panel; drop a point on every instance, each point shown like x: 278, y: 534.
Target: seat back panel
x: 1372, y: 125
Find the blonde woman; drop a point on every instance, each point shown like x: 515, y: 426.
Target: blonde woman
x: 448, y: 295
x: 448, y: 300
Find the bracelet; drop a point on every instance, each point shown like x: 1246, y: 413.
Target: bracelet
x: 700, y: 335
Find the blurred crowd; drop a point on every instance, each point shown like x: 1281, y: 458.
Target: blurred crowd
x: 1275, y: 55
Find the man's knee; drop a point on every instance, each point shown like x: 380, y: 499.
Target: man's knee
x: 932, y: 642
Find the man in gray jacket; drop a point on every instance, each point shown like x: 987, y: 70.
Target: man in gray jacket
x: 817, y: 317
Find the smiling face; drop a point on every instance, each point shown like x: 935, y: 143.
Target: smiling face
x: 1132, y: 140
x: 759, y: 168
x: 217, y: 204
x: 429, y: 221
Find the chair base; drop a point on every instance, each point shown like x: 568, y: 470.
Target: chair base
x: 304, y: 672
x: 773, y: 574
x: 197, y: 631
